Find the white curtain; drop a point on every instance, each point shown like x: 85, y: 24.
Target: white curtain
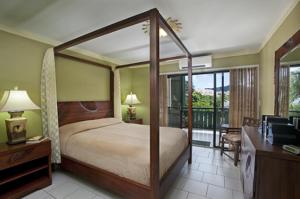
x: 243, y: 95
x: 49, y: 104
x: 284, y: 91
x: 117, y: 95
x: 163, y: 100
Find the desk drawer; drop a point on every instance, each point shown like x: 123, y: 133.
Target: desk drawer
x: 29, y: 153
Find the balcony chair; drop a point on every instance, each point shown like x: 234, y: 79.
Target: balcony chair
x: 232, y: 137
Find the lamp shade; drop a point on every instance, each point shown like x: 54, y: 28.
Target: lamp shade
x: 16, y: 100
x: 131, y: 99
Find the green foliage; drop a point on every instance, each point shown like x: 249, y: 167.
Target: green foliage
x: 294, y: 90
x: 207, y: 101
x: 203, y: 101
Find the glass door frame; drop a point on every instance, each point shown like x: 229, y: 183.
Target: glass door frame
x: 215, y: 145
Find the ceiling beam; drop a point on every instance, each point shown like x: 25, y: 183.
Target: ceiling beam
x: 148, y: 62
x: 83, y: 60
x: 161, y: 60
x: 105, y: 30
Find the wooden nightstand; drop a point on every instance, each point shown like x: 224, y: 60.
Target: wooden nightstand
x: 24, y: 168
x: 136, y: 121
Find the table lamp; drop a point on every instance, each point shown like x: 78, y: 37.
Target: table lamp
x: 15, y: 102
x: 131, y: 100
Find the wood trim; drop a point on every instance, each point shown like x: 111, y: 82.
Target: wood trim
x: 106, y: 30
x: 83, y: 60
x: 154, y: 104
x: 161, y: 60
x: 70, y: 112
x: 106, y: 179
x: 148, y: 62
x: 170, y: 176
x: 190, y: 105
x: 133, y: 64
x: 215, y: 110
x: 285, y: 48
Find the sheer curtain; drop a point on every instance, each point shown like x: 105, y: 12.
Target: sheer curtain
x: 243, y: 95
x: 49, y: 104
x: 117, y: 95
x: 163, y: 100
x: 284, y: 85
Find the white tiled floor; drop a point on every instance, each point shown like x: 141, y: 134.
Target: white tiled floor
x: 205, y: 135
x: 210, y: 176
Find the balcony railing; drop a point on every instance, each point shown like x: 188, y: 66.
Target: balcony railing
x: 203, y: 118
x: 294, y: 113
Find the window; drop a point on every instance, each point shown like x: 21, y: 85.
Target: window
x: 294, y: 95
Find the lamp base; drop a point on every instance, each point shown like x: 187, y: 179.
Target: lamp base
x: 16, y: 130
x: 131, y: 112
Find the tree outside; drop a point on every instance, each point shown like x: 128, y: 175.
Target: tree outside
x: 294, y: 96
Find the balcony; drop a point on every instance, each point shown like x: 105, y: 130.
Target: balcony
x: 294, y: 113
x: 203, y: 122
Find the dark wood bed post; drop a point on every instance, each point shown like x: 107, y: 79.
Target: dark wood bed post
x: 154, y: 104
x: 190, y: 105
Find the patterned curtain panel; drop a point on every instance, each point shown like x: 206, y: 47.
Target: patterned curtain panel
x: 49, y: 104
x: 117, y: 95
x: 284, y: 86
x: 163, y: 100
x: 243, y: 95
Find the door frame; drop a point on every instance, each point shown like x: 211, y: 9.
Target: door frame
x: 215, y: 97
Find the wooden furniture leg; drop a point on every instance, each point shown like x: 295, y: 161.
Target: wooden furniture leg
x: 236, y: 153
x: 222, y: 146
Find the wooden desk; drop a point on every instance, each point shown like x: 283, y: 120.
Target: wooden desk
x: 267, y: 171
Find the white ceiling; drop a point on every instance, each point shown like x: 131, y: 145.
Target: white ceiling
x: 209, y: 26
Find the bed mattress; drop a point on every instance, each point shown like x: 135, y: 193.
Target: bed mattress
x: 121, y: 148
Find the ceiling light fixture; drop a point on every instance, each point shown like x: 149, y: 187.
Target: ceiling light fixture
x: 173, y: 23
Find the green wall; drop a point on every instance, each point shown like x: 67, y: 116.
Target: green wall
x: 78, y: 82
x: 137, y: 80
x: 20, y: 64
x: 267, y: 56
x: 241, y: 60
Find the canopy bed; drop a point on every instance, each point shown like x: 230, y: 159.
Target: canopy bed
x: 82, y: 119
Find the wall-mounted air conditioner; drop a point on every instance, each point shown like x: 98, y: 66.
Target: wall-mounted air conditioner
x: 197, y: 62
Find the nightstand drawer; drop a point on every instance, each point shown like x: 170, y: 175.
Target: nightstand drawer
x: 19, y: 156
x: 135, y: 121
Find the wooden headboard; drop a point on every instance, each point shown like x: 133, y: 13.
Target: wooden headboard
x: 70, y: 112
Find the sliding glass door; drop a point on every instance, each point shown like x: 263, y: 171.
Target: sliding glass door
x: 210, y: 105
x: 176, y: 101
x: 222, y: 102
x: 203, y: 109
